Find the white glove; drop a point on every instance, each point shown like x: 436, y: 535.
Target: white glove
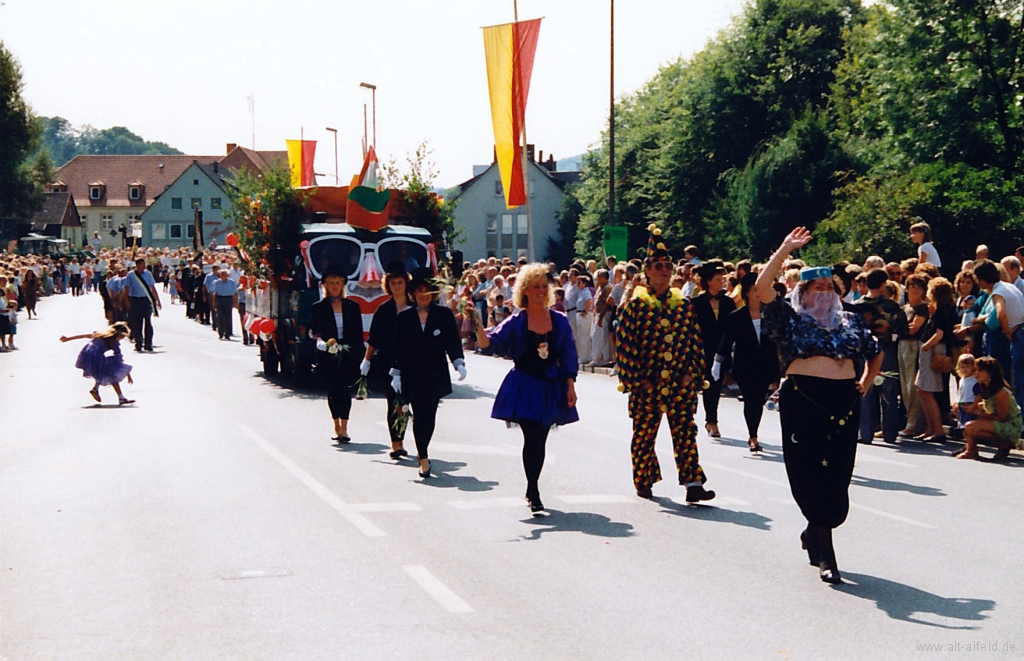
x: 462, y: 372
x: 716, y: 371
x: 321, y: 345
x: 396, y: 383
x: 364, y: 367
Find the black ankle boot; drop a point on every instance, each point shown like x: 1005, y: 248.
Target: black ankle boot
x: 828, y: 568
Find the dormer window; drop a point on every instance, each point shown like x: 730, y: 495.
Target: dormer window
x: 133, y: 193
x: 136, y: 190
x: 96, y: 190
x: 58, y: 187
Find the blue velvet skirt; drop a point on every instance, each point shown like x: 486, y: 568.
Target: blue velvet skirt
x: 533, y: 399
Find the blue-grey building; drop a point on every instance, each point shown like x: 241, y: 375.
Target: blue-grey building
x: 170, y: 221
x: 488, y: 229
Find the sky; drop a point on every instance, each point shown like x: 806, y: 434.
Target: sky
x: 181, y: 72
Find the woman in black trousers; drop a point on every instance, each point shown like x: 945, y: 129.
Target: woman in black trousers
x: 377, y: 361
x: 712, y: 306
x: 337, y: 325
x: 426, y: 337
x: 755, y: 363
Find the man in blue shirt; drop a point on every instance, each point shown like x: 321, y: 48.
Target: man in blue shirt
x: 224, y: 293
x: 208, y: 280
x: 142, y: 299
x: 116, y: 288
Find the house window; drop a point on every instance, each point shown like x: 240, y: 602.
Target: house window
x: 133, y: 193
x: 497, y: 188
x: 492, y: 235
x: 215, y: 203
x: 106, y: 222
x: 197, y: 203
x: 160, y: 231
x: 506, y: 235
x: 175, y: 202
x: 522, y: 230
x: 195, y: 182
x: 175, y: 231
x: 190, y: 231
x: 95, y: 192
x: 85, y: 221
x: 55, y: 189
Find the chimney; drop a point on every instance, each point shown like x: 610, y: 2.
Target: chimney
x: 231, y: 147
x: 552, y: 163
x: 530, y: 152
x: 541, y: 159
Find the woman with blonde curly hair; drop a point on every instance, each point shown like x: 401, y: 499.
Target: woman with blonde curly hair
x: 540, y: 391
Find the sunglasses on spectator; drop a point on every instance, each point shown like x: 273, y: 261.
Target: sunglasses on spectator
x: 662, y: 266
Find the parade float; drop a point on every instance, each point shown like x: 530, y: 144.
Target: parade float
x: 287, y: 244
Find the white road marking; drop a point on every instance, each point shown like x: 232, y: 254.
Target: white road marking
x: 895, y: 517
x: 438, y: 590
x: 385, y: 507
x: 719, y: 467
x: 340, y: 506
x: 487, y: 503
x: 476, y: 449
x: 596, y: 499
x: 602, y: 432
x: 870, y: 459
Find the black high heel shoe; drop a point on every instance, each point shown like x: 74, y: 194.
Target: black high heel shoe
x: 807, y: 544
x: 828, y: 569
x: 535, y: 504
x: 398, y: 454
x: 425, y: 474
x: 755, y: 446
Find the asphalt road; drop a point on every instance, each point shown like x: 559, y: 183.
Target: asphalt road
x: 215, y: 519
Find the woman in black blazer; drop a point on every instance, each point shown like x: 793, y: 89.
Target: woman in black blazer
x: 755, y: 363
x: 712, y: 306
x: 426, y: 337
x: 377, y: 362
x: 337, y: 326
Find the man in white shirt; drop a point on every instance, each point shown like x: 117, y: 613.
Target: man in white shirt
x: 921, y: 234
x: 1012, y: 266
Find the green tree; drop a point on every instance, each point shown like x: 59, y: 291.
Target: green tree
x: 18, y: 194
x: 267, y: 214
x: 694, y: 140
x: 416, y: 186
x: 561, y: 248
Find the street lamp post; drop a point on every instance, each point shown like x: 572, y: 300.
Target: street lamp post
x: 373, y: 92
x: 337, y: 181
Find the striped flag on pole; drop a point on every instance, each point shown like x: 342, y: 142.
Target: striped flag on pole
x: 300, y: 161
x: 509, y: 50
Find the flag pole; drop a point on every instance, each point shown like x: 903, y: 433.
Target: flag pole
x: 530, y: 254
x: 252, y: 111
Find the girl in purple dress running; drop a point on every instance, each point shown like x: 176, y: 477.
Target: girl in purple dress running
x: 101, y: 360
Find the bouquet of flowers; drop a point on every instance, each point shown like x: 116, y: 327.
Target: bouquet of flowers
x: 402, y: 413
x: 362, y: 388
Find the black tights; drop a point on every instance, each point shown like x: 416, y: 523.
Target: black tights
x: 424, y: 418
x: 711, y: 396
x: 535, y: 437
x: 755, y: 394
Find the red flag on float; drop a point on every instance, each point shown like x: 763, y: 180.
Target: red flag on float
x: 509, y: 50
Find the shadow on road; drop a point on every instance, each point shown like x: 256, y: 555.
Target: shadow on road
x: 441, y: 477
x: 903, y: 602
x: 886, y: 485
x: 361, y: 448
x: 712, y: 513
x: 587, y: 523
x: 466, y: 391
x: 98, y: 407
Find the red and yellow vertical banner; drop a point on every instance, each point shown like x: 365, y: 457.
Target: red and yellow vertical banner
x: 509, y: 50
x: 300, y: 161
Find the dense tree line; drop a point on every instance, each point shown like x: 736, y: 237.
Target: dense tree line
x: 847, y: 118
x: 63, y: 141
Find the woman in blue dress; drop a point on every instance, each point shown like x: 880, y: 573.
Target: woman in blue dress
x: 101, y: 360
x: 540, y: 391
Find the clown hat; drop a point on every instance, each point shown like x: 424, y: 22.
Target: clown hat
x: 656, y: 250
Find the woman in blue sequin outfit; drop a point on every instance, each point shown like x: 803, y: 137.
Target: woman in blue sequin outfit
x: 819, y: 405
x: 540, y: 391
